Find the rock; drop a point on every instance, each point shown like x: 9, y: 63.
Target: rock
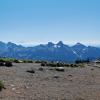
x: 70, y: 75
x: 92, y: 69
x: 41, y: 69
x: 26, y: 87
x: 12, y: 85
x: 31, y: 70
x: 60, y: 69
x: 13, y: 89
x: 18, y: 92
x: 56, y: 76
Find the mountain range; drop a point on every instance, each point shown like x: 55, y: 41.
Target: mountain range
x: 50, y: 51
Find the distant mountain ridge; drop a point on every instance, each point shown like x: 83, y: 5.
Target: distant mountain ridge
x: 50, y: 51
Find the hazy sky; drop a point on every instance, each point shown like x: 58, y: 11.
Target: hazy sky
x: 40, y: 21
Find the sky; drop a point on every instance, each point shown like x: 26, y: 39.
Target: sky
x: 31, y: 22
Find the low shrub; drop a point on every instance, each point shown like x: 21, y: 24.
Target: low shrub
x: 82, y: 61
x: 24, y: 61
x: 6, y: 59
x: 43, y: 64
x: 75, y: 65
x: 67, y: 65
x: 8, y: 64
x: 71, y: 65
x: 81, y: 65
x: 29, y: 61
x: 37, y: 61
x: 1, y: 60
x: 2, y: 63
x: 41, y: 61
x: 2, y: 85
x: 52, y: 64
x: 16, y: 61
x: 60, y: 64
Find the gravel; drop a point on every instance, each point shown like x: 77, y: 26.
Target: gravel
x: 72, y: 84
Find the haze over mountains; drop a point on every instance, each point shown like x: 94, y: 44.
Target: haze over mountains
x: 50, y: 51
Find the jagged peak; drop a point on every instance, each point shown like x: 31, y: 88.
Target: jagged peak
x: 79, y: 44
x: 2, y: 42
x: 10, y: 43
x: 50, y: 44
x: 60, y: 43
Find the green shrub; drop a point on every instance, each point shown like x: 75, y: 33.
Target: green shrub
x: 1, y: 60
x: 24, y: 61
x: 71, y: 65
x: 52, y: 64
x: 82, y: 61
x: 2, y: 85
x: 81, y: 65
x: 30, y: 61
x: 57, y: 64
x: 37, y: 61
x: 75, y: 65
x: 16, y: 61
x: 41, y: 61
x: 67, y: 65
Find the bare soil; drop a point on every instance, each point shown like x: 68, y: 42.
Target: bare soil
x: 49, y: 84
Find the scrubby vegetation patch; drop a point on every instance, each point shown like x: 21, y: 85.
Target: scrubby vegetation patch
x: 2, y: 85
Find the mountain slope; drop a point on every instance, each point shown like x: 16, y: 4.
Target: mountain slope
x: 50, y: 51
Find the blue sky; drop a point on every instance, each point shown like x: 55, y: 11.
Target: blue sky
x: 39, y: 21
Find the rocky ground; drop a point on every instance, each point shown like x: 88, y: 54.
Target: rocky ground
x: 49, y: 84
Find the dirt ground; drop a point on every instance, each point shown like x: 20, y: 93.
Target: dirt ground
x: 73, y: 84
